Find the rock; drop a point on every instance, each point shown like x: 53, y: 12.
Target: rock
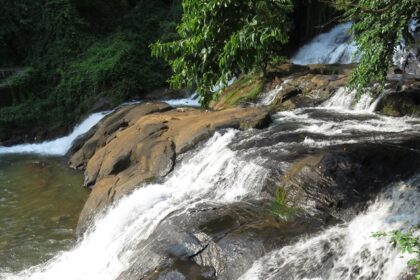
x: 403, y: 103
x: 306, y: 90
x: 84, y: 147
x: 213, y: 242
x: 301, y: 86
x: 338, y: 183
x: 140, y: 143
x: 243, y: 90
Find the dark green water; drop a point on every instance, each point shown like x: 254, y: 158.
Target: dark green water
x: 40, y: 201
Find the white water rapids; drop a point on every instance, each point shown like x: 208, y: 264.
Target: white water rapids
x: 213, y: 174
x: 233, y: 167
x: 216, y: 173
x: 334, y: 46
x: 58, y: 146
x: 350, y: 251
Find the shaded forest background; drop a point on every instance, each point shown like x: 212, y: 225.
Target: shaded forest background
x: 74, y: 54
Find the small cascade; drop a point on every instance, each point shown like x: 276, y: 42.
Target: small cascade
x: 269, y: 97
x: 374, y: 105
x: 343, y: 99
x: 192, y: 101
x: 335, y: 46
x: 407, y: 54
x: 58, y: 146
x: 350, y: 251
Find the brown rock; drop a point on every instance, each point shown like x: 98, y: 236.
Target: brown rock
x: 140, y: 143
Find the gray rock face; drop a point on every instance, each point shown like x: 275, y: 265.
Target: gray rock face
x: 212, y: 242
x: 338, y: 183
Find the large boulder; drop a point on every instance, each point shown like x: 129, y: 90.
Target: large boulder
x: 337, y: 184
x: 402, y: 103
x: 293, y: 86
x: 212, y: 242
x: 141, y: 142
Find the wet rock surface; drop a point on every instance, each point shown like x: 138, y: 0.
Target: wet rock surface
x: 140, y: 143
x: 339, y: 182
x: 402, y: 103
x: 213, y: 242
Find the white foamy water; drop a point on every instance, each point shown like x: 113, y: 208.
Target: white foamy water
x: 270, y: 96
x: 335, y: 46
x: 375, y: 125
x: 345, y: 99
x: 58, y: 146
x: 350, y: 251
x: 213, y: 174
x: 61, y: 146
x: 192, y: 101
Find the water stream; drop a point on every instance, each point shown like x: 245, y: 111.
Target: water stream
x: 40, y: 199
x: 349, y: 251
x: 334, y: 46
x: 234, y: 167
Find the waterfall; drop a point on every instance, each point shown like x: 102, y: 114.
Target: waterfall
x: 335, y: 46
x: 235, y: 166
x: 213, y: 174
x: 350, y: 251
x: 407, y: 55
x: 58, y: 146
x: 345, y: 99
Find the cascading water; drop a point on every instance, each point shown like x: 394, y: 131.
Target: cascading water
x: 407, y: 55
x: 61, y: 146
x: 270, y: 96
x: 213, y: 174
x: 335, y: 46
x: 192, y: 101
x: 345, y: 99
x: 58, y: 146
x: 233, y: 167
x: 350, y: 251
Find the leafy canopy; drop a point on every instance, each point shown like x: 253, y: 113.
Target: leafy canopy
x: 379, y: 26
x: 219, y: 39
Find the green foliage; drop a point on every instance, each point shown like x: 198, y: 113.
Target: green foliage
x: 407, y: 242
x: 379, y: 25
x: 279, y: 206
x: 222, y: 39
x: 77, y: 52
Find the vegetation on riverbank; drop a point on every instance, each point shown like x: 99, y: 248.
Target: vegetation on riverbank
x: 75, y: 53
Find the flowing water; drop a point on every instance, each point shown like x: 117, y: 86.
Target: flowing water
x: 40, y: 199
x: 57, y: 147
x: 349, y: 251
x: 335, y: 46
x: 234, y: 167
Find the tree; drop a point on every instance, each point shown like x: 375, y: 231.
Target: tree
x: 219, y: 39
x: 379, y: 26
